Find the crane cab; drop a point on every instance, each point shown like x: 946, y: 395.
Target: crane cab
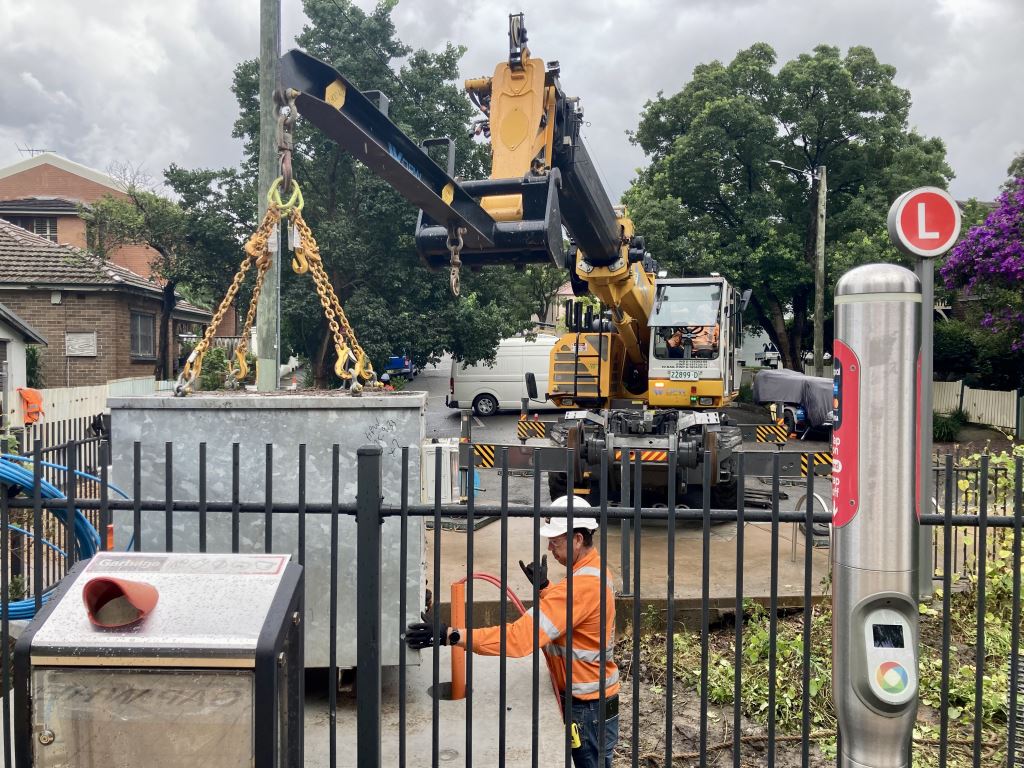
x: 695, y: 326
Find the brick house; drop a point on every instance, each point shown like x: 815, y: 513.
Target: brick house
x: 101, y: 321
x: 42, y: 193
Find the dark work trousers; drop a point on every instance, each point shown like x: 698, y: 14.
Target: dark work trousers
x: 585, y: 715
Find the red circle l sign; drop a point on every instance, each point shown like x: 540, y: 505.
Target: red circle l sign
x: 924, y: 222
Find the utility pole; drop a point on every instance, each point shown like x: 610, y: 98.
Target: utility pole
x: 819, y: 276
x: 268, y: 310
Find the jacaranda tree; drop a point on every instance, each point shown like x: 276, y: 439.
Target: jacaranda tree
x: 989, y: 263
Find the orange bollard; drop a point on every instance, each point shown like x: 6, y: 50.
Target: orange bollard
x: 458, y: 619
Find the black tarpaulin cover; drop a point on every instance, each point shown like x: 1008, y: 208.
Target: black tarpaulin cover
x: 813, y: 393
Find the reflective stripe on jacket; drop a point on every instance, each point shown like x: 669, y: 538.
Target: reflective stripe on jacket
x: 586, y: 630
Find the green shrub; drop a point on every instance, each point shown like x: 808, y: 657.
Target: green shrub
x: 33, y: 367
x: 746, y: 394
x: 215, y: 368
x: 945, y: 428
x: 960, y: 416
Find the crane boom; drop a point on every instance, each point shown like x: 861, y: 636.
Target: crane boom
x: 659, y: 363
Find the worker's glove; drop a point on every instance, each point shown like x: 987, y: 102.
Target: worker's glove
x: 537, y: 574
x: 420, y: 635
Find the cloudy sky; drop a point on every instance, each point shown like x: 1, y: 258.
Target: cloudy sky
x: 147, y: 82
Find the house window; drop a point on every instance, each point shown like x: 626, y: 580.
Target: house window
x: 44, y: 226
x: 143, y: 334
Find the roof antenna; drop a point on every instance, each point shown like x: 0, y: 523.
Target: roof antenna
x: 31, y: 151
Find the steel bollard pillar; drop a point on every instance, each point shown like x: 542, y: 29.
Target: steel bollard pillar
x: 876, y: 524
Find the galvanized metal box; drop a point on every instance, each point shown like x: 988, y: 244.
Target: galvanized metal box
x: 212, y: 676
x: 285, y: 421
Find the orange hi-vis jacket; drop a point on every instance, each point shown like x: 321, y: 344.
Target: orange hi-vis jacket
x: 32, y: 401
x: 586, y: 630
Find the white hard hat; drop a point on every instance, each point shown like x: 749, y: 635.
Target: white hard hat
x: 556, y: 526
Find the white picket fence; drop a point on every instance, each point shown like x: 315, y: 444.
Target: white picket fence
x: 983, y: 406
x: 63, y: 403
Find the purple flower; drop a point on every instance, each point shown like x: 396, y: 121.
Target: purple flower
x: 991, y: 257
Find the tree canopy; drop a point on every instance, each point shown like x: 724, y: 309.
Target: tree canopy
x: 709, y: 200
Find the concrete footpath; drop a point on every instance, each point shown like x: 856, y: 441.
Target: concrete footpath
x: 452, y: 718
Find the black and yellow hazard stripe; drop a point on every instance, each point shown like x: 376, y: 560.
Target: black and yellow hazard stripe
x: 822, y: 459
x: 771, y: 433
x: 484, y: 453
x: 526, y: 428
x: 649, y: 456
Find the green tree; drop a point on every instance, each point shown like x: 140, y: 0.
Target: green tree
x: 363, y: 227
x: 540, y: 284
x: 1015, y: 171
x: 709, y: 201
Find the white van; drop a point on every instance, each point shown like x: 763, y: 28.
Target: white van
x: 488, y: 389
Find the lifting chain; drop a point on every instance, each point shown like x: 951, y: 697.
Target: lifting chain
x: 351, y: 364
x: 454, y: 248
x: 258, y: 252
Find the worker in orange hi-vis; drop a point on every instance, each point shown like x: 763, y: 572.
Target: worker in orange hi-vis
x: 579, y: 553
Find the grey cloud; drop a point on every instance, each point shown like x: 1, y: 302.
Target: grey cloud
x: 149, y: 82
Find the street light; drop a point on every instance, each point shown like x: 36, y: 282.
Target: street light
x: 818, y: 174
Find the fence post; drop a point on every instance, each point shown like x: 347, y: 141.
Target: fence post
x: 368, y: 624
x: 1019, y: 426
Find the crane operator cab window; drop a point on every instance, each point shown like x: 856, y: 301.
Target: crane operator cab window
x: 686, y: 318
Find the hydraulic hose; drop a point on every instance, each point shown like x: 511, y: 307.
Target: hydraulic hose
x: 62, y: 468
x: 86, y: 535
x: 551, y: 660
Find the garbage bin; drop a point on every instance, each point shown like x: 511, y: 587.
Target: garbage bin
x: 174, y: 660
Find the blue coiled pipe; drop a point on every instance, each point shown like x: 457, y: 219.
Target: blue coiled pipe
x: 86, y: 535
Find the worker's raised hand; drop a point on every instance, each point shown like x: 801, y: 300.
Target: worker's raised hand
x: 537, y: 574
x: 420, y: 635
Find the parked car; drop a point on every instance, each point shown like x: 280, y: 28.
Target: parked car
x: 490, y: 388
x: 400, y: 365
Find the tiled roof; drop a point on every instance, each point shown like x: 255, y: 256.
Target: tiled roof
x: 29, y: 260
x: 30, y: 205
x: 70, y: 166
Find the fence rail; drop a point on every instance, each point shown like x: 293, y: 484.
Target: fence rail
x: 662, y: 665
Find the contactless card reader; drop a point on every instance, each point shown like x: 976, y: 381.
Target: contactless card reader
x: 892, y: 663
x: 885, y: 661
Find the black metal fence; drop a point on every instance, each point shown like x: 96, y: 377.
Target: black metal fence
x: 746, y: 683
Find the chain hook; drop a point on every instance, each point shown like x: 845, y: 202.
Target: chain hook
x: 286, y: 116
x: 454, y: 248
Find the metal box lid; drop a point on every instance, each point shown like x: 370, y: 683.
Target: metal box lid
x: 210, y: 605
